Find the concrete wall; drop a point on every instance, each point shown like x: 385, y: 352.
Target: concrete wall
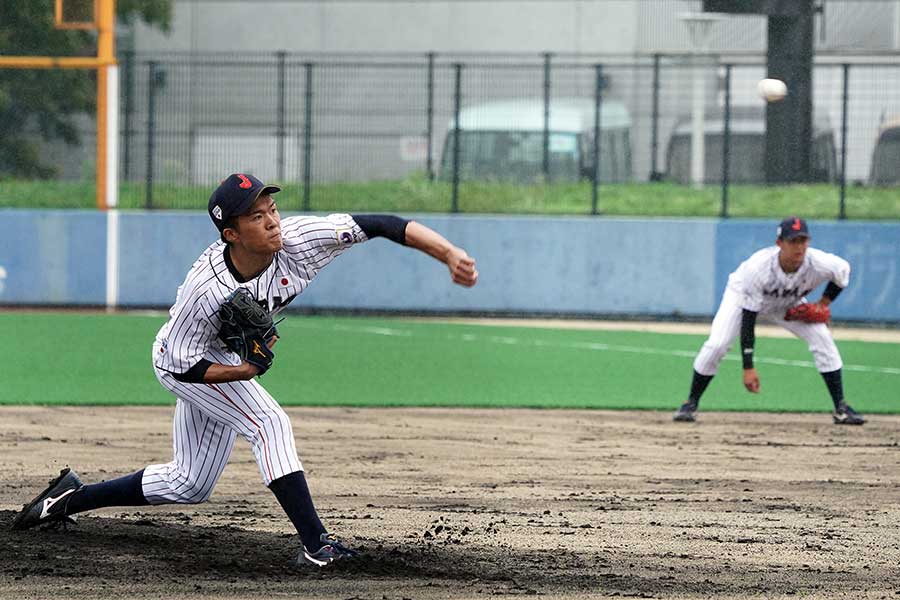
x: 602, y: 266
x: 577, y: 26
x: 366, y: 26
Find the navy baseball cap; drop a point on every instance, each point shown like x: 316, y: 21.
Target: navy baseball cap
x: 234, y: 196
x: 792, y: 227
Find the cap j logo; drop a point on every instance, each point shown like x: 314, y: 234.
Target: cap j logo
x: 217, y: 212
x: 245, y: 183
x: 796, y: 225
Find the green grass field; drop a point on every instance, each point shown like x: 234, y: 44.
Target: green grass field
x: 72, y: 358
x: 416, y: 194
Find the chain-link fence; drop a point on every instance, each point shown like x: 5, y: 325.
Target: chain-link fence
x: 530, y: 134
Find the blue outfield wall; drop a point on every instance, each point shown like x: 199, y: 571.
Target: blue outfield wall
x: 657, y: 267
x: 52, y: 257
x: 156, y: 250
x: 572, y: 265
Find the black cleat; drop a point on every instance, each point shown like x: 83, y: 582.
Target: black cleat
x: 845, y: 415
x: 685, y: 413
x: 50, y: 505
x: 331, y: 551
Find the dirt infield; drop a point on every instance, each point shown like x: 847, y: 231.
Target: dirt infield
x: 478, y: 503
x: 840, y: 332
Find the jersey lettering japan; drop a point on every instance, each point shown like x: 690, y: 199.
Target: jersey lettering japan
x: 309, y: 243
x: 765, y: 288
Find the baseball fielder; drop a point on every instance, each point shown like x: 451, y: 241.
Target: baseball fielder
x: 218, y: 398
x: 773, y: 282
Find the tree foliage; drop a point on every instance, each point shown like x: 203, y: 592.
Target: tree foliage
x: 42, y: 104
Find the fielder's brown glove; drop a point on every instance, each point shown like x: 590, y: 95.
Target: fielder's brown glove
x: 808, y: 313
x: 247, y: 329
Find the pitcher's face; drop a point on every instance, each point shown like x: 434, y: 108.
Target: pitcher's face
x: 259, y: 229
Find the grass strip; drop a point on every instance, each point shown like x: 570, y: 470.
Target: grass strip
x: 416, y: 194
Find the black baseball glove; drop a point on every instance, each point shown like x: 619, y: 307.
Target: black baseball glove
x: 247, y: 328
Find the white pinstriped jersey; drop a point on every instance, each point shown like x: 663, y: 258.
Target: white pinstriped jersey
x: 765, y: 288
x: 310, y: 243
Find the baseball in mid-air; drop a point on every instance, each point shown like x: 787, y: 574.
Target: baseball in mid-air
x: 772, y: 90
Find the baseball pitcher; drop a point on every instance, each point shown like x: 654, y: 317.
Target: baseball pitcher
x: 774, y: 282
x: 219, y: 337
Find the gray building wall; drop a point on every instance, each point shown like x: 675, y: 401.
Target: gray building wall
x: 577, y: 26
x: 489, y: 26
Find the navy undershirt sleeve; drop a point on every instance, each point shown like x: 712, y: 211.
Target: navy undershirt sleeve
x: 388, y: 226
x: 748, y: 337
x: 832, y: 290
x: 195, y: 374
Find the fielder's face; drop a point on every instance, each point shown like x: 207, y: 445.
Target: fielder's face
x: 259, y: 229
x: 792, y: 253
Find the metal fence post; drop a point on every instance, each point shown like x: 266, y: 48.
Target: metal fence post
x: 429, y: 118
x: 280, y: 117
x: 193, y: 94
x: 654, y: 123
x: 598, y: 105
x: 151, y: 130
x: 546, y: 142
x: 457, y: 130
x: 726, y: 142
x: 307, y: 136
x: 128, y: 113
x: 842, y: 214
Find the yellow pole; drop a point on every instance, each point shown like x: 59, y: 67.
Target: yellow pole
x: 106, y: 58
x: 51, y: 62
x: 107, y: 91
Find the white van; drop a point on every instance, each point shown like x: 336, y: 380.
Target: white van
x: 504, y: 141
x: 748, y: 148
x: 885, y: 168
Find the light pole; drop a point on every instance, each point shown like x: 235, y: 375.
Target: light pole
x: 699, y: 27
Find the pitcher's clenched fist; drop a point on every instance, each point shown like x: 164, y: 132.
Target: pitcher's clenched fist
x: 462, y: 267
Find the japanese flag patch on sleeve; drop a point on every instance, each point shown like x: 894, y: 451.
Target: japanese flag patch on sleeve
x: 344, y: 236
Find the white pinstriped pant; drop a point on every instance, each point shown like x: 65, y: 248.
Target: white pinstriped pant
x: 726, y: 327
x: 208, y: 417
